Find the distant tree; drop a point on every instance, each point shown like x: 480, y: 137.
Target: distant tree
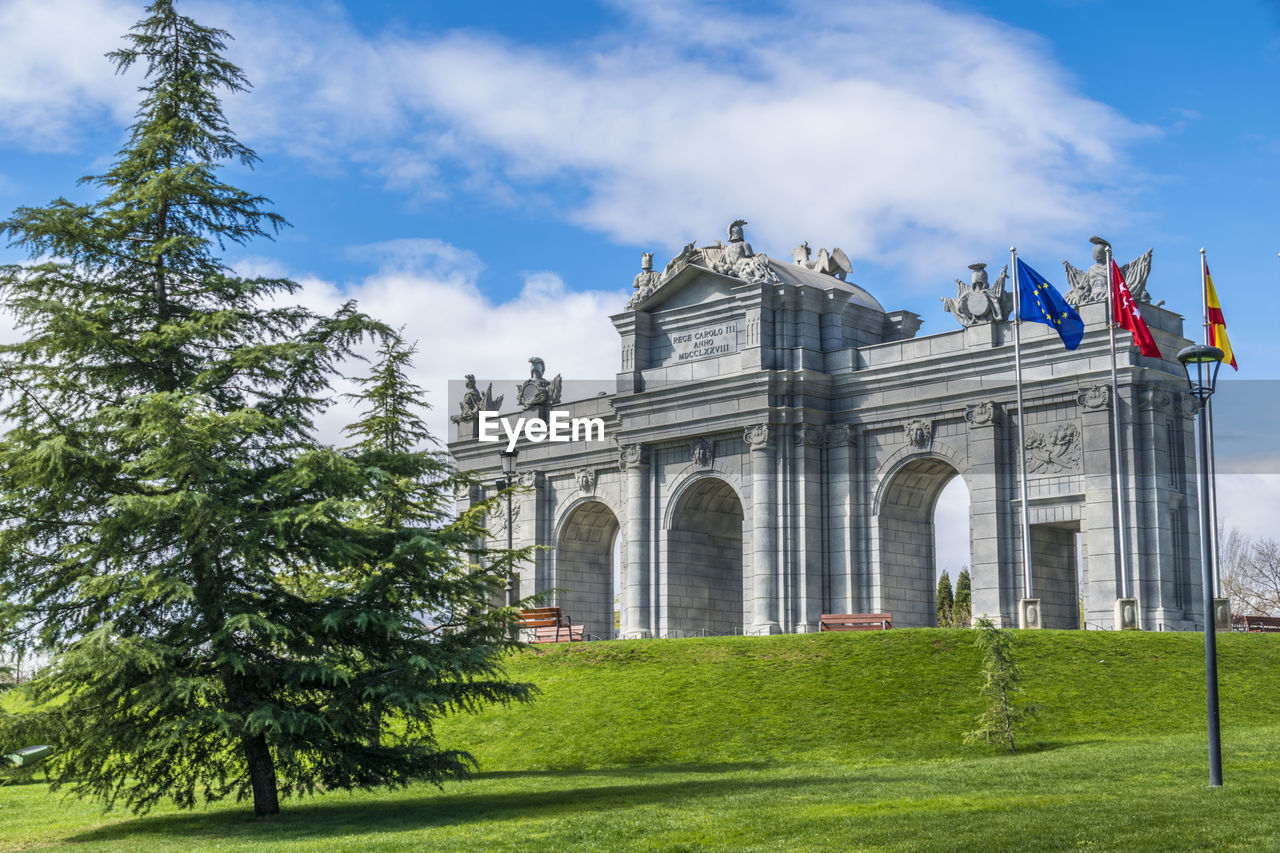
x: 962, y: 612
x: 232, y: 607
x: 1249, y: 570
x: 946, y: 601
x: 1002, y: 716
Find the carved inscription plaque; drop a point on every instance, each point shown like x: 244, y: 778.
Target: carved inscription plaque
x: 704, y: 342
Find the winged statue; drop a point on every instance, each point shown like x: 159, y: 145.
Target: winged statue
x: 979, y: 301
x: 1093, y: 284
x: 473, y: 402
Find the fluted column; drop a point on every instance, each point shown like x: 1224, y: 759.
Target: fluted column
x: 764, y: 585
x: 637, y: 607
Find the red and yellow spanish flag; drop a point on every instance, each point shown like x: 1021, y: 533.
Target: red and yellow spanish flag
x: 1217, y: 323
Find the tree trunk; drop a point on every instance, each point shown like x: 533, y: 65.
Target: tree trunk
x: 262, y: 776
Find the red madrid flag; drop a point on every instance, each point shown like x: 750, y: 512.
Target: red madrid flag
x: 1125, y: 314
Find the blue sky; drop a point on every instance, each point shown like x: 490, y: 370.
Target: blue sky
x: 488, y: 173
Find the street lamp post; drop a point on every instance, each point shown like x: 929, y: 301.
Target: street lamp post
x: 1201, y: 363
x: 508, y: 479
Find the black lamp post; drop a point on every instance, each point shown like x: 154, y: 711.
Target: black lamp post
x: 508, y: 478
x: 1201, y: 363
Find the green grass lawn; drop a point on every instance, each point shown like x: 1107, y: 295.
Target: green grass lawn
x: 836, y: 741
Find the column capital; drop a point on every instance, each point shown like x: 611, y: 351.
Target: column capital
x: 759, y: 436
x: 984, y: 413
x: 632, y: 456
x: 1095, y: 397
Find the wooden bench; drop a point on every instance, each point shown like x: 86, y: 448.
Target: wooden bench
x: 549, y: 625
x: 855, y: 622
x: 1260, y: 624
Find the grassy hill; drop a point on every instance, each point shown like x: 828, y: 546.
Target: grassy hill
x: 853, y: 697
x: 835, y: 741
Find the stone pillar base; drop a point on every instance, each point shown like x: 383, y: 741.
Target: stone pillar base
x: 765, y: 629
x: 1029, y: 613
x: 1222, y: 614
x: 1126, y: 614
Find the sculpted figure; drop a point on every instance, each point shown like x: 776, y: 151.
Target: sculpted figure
x: 537, y: 391
x: 645, y: 282
x: 473, y: 402
x: 979, y: 301
x: 739, y: 260
x: 834, y: 263
x: 1093, y: 284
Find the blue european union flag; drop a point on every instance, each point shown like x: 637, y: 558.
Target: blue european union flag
x: 1039, y: 302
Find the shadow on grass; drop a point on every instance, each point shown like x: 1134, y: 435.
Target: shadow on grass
x: 329, y: 819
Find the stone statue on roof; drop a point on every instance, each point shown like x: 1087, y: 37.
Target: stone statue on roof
x: 473, y: 402
x: 1093, y: 284
x: 537, y: 391
x: 979, y: 301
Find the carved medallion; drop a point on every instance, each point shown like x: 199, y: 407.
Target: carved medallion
x: 630, y: 456
x: 918, y: 432
x: 1055, y: 452
x: 839, y: 434
x: 758, y: 436
x: 1095, y: 397
x: 528, y: 479
x: 1188, y: 405
x: 982, y: 414
x: 586, y: 478
x: 810, y: 435
x: 701, y: 451
x: 1156, y: 398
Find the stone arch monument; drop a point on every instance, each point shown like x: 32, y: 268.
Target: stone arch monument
x: 777, y: 441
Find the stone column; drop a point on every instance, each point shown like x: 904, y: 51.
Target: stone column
x: 995, y: 578
x: 842, y: 595
x: 764, y: 586
x: 638, y: 605
x: 1100, y: 522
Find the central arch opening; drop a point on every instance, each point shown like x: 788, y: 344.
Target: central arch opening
x: 909, y: 564
x: 704, y: 548
x: 585, y: 568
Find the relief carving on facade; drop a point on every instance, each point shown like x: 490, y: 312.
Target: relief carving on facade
x: 839, y: 435
x: 497, y: 524
x: 630, y: 455
x: 1094, y: 397
x: 1156, y: 398
x: 981, y: 414
x: 1055, y: 452
x: 758, y: 436
x: 810, y: 435
x: 918, y: 432
x: 702, y: 452
x: 1188, y: 405
x: 586, y: 479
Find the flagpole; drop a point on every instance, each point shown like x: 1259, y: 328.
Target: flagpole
x: 1213, y: 468
x: 1022, y: 426
x: 1115, y: 422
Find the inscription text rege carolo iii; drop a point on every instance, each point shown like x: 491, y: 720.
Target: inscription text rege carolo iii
x: 558, y: 428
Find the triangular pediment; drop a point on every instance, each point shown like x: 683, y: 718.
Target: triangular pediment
x: 692, y: 285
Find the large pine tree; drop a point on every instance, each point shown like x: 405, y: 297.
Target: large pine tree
x: 234, y: 608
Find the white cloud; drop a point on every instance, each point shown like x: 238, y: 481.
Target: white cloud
x: 904, y: 132
x: 430, y: 288
x: 52, y: 72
